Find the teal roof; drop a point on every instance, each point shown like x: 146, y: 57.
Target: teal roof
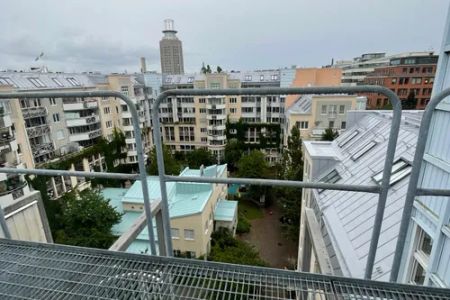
x: 225, y: 210
x: 210, y: 171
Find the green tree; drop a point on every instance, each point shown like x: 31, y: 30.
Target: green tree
x: 233, y: 153
x: 219, y: 69
x: 226, y: 248
x: 410, y: 102
x: 253, y: 165
x: 171, y: 165
x: 198, y: 157
x: 208, y: 69
x: 329, y: 134
x: 87, y: 220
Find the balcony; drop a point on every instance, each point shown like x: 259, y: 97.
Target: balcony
x: 216, y: 117
x: 85, y: 136
x: 82, y: 121
x: 6, y: 138
x: 13, y: 186
x: 217, y: 137
x: 41, y: 149
x: 216, y: 127
x: 215, y: 106
x: 34, y: 112
x: 39, y: 130
x: 50, y: 271
x: 74, y: 105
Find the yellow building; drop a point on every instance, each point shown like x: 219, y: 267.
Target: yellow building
x: 195, y: 209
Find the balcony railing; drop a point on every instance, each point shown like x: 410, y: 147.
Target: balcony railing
x: 41, y: 149
x: 39, y: 130
x: 29, y: 269
x: 6, y: 138
x: 12, y: 186
x: 34, y: 112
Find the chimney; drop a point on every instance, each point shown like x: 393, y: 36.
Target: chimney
x: 143, y: 65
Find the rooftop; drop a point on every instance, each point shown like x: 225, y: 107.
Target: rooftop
x: 225, y: 210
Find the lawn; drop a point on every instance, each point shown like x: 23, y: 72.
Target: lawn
x: 249, y: 210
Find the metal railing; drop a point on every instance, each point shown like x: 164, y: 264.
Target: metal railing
x: 165, y: 246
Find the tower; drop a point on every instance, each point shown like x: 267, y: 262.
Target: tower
x: 171, y: 50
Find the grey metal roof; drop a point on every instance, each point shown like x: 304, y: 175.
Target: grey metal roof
x: 349, y: 216
x: 48, y: 271
x: 301, y: 106
x: 22, y: 81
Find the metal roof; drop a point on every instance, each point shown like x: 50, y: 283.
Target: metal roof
x: 22, y: 81
x: 48, y: 271
x: 225, y: 210
x: 348, y: 216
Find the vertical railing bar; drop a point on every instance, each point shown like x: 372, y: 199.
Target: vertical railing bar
x: 3, y: 224
x: 414, y: 179
x: 137, y: 133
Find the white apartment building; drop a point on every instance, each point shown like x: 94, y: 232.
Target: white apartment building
x: 336, y: 226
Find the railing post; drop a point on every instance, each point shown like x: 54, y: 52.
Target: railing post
x: 3, y: 224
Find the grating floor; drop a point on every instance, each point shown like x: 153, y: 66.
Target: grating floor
x: 43, y: 271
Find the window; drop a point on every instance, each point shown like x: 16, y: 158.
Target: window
x: 60, y: 134
x: 343, y: 124
x: 52, y: 101
x: 190, y: 79
x: 416, y: 80
x: 331, y: 124
x: 341, y: 109
x: 247, y: 109
x: 203, y: 130
x: 324, y: 110
x: 108, y: 124
x: 232, y: 131
x: 124, y: 90
x: 261, y: 78
x: 248, y: 78
x: 425, y: 243
x: 73, y: 81
x: 233, y: 100
x: 106, y: 110
x: 410, y: 61
x: 233, y: 110
x: 274, y: 77
x: 418, y: 273
x: 214, y: 85
x: 302, y: 125
x: 55, y: 118
x: 204, y: 140
x: 331, y: 177
x: 203, y: 110
x: 36, y: 82
x: 348, y: 138
x: 189, y: 234
x: 7, y: 81
x: 58, y: 83
x: 175, y: 232
x: 202, y: 100
x: 400, y: 170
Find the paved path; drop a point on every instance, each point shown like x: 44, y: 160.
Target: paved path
x: 267, y: 237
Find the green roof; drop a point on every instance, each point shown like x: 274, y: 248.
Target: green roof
x: 225, y: 210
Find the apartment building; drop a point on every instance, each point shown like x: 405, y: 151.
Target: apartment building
x: 195, y: 209
x: 23, y: 208
x: 313, y: 77
x: 51, y: 130
x: 336, y: 226
x: 312, y: 114
x: 171, y: 50
x: 201, y: 122
x: 410, y: 76
x: 427, y: 247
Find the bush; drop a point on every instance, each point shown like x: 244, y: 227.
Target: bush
x: 243, y: 225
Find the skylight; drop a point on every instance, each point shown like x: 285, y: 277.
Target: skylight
x: 73, y: 81
x: 331, y: 177
x: 248, y: 77
x: 400, y: 170
x: 36, y: 82
x: 348, y: 138
x: 55, y: 80
x: 6, y: 81
x: 363, y: 150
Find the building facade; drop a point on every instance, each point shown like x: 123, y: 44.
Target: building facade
x: 171, y: 50
x: 312, y: 114
x: 409, y: 77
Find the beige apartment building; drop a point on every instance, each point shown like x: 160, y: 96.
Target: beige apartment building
x: 312, y: 114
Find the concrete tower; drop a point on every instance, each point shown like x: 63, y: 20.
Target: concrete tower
x: 171, y: 50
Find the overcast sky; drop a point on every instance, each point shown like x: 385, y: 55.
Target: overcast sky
x: 111, y: 35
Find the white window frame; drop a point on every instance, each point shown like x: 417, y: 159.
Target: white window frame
x: 187, y: 234
x: 175, y: 232
x: 322, y: 109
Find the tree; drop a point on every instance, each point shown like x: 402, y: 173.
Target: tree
x: 219, y: 69
x: 329, y: 134
x: 233, y: 153
x: 208, y: 69
x: 226, y: 248
x: 87, y: 220
x: 171, y: 165
x: 253, y: 165
x: 198, y: 157
x: 410, y: 102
